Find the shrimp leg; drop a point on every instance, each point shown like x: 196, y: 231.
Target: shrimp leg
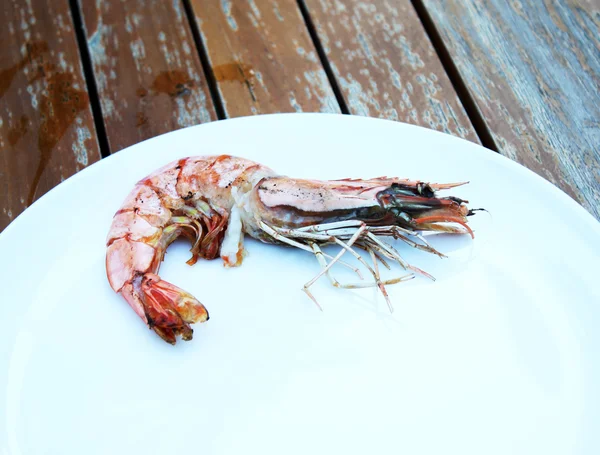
x: 331, y: 233
x: 327, y: 234
x: 335, y: 283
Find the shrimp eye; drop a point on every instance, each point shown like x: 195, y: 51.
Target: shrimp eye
x: 425, y: 190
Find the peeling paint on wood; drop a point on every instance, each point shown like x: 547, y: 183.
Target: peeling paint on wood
x: 46, y: 127
x: 533, y: 68
x: 269, y: 38
x: 145, y: 47
x: 377, y: 50
x: 226, y: 8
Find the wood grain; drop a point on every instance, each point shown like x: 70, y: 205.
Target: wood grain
x: 46, y: 127
x: 385, y: 64
x: 146, y: 67
x: 533, y: 69
x: 263, y: 58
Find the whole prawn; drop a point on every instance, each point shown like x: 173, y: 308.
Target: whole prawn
x: 215, y: 200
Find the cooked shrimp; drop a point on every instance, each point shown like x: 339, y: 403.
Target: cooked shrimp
x: 215, y: 200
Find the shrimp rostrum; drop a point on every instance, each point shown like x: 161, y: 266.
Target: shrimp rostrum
x: 215, y: 200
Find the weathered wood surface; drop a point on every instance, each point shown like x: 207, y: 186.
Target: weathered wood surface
x: 262, y: 57
x: 533, y: 68
x: 385, y: 64
x: 146, y: 68
x: 46, y: 126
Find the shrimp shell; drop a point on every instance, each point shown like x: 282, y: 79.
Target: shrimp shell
x: 215, y: 200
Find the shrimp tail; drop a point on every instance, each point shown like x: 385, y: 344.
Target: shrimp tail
x: 169, y: 310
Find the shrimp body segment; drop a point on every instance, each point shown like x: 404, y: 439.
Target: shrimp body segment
x: 215, y: 200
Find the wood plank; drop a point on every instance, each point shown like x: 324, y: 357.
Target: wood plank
x: 146, y: 67
x: 533, y: 69
x: 46, y: 126
x: 263, y: 58
x: 385, y: 64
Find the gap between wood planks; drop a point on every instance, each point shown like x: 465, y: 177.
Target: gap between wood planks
x: 88, y: 74
x: 456, y: 79
x: 312, y: 31
x: 204, y: 60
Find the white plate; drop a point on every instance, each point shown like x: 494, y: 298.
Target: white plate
x: 499, y: 355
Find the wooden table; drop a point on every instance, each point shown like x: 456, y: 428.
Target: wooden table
x: 82, y: 79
